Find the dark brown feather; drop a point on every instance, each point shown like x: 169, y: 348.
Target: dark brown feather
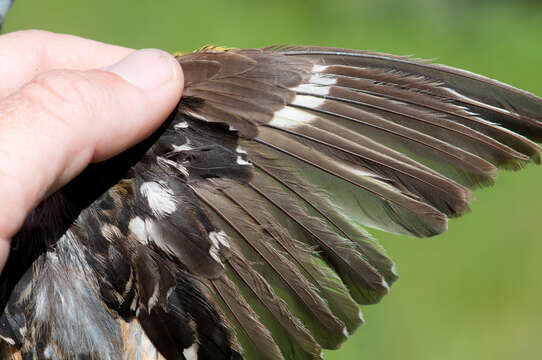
x: 414, y: 91
x: 238, y: 310
x: 236, y: 228
x: 516, y: 109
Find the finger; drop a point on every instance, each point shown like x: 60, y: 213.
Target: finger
x: 53, y: 127
x: 25, y: 54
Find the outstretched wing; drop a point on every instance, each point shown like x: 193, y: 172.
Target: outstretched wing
x: 238, y: 228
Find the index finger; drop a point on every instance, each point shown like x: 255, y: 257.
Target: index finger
x: 25, y: 54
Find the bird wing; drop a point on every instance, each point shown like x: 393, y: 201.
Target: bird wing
x: 238, y: 229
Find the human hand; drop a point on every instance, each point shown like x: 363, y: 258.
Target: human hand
x: 64, y: 105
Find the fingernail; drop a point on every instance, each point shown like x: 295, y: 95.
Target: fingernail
x: 146, y: 69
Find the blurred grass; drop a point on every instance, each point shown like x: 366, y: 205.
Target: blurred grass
x: 473, y: 293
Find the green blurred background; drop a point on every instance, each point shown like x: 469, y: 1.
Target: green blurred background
x: 473, y: 293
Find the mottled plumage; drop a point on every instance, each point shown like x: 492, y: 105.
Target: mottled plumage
x: 238, y: 228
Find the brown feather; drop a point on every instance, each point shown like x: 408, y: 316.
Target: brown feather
x: 242, y: 213
x: 434, y: 124
x: 516, y: 109
x: 419, y: 93
x: 469, y: 170
x: 365, y: 283
x: 318, y: 201
x: 258, y: 248
x: 444, y: 194
x: 242, y: 314
x: 423, y: 220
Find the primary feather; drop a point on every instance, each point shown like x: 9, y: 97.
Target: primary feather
x: 238, y: 228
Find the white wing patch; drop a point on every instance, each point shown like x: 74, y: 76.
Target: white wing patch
x: 242, y: 161
x: 8, y: 340
x: 291, y: 118
x: 312, y: 89
x: 319, y: 68
x: 159, y: 197
x: 218, y: 239
x: 240, y: 150
x: 308, y: 101
x: 137, y: 227
x: 191, y: 353
x: 180, y: 125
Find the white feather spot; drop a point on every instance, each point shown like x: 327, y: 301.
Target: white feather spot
x: 174, y: 165
x: 153, y: 300
x: 180, y: 125
x: 195, y: 115
x: 137, y: 227
x: 291, y: 118
x: 385, y: 285
x: 8, y: 340
x: 323, y: 79
x: 319, y: 68
x: 218, y: 239
x: 308, y: 101
x: 213, y: 251
x: 240, y: 150
x: 160, y: 198
x: 155, y: 234
x: 318, y: 84
x: 242, y: 161
x: 185, y: 147
x: 474, y: 101
x: 312, y: 89
x: 191, y: 353
x: 49, y: 352
x: 345, y: 332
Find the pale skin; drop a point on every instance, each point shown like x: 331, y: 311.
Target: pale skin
x: 66, y: 102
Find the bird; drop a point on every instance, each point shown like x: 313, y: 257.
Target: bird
x: 241, y: 227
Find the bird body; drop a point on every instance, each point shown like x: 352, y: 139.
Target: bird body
x: 238, y: 229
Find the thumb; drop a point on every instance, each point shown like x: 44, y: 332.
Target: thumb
x: 54, y: 126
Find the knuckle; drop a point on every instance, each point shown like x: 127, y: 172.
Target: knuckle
x: 66, y: 87
x: 65, y: 95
